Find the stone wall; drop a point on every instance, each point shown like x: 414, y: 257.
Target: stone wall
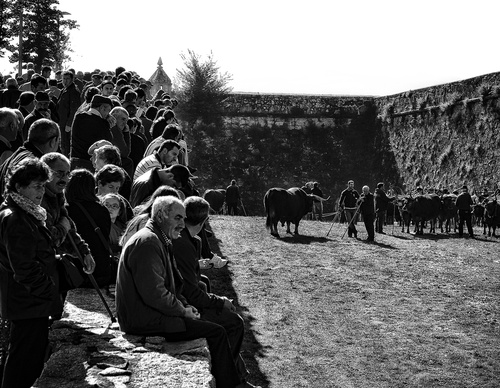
x: 447, y: 135
x: 441, y: 136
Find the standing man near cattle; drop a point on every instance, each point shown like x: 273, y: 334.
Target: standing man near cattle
x: 347, y: 204
x: 381, y: 204
x: 464, y: 202
x: 367, y: 210
x: 317, y: 204
x: 232, y: 198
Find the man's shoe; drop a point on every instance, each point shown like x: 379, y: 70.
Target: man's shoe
x: 218, y: 262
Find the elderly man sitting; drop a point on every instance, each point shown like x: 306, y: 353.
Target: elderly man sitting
x: 148, y: 292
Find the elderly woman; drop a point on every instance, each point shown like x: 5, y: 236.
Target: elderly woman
x: 29, y: 283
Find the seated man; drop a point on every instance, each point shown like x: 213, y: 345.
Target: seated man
x: 148, y: 298
x: 213, y: 308
x: 176, y: 176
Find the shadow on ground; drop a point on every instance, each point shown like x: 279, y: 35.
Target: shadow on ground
x: 222, y: 284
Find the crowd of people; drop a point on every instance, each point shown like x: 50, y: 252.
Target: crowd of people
x: 93, y: 166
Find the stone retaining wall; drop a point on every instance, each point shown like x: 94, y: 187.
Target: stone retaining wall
x: 90, y: 351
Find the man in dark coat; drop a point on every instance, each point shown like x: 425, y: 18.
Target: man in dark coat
x: 232, y: 198
x: 43, y: 137
x: 347, y: 204
x: 10, y: 96
x: 67, y: 105
x: 381, y: 204
x: 464, y: 202
x: 212, y: 308
x: 367, y: 210
x: 89, y: 127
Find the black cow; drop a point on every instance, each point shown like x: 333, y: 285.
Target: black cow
x: 402, y: 203
x: 478, y: 215
x: 287, y: 206
x: 216, y: 199
x: 491, y: 216
x: 424, y: 208
x: 449, y: 212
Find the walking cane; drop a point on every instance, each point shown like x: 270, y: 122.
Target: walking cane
x: 352, y: 219
x: 243, y: 207
x: 333, y: 221
x: 92, y: 280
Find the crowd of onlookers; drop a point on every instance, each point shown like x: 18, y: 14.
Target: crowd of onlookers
x: 94, y: 167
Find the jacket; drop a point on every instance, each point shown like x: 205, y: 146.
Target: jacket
x: 187, y: 252
x: 149, y: 285
x: 29, y: 282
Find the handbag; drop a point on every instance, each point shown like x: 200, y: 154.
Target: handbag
x: 70, y: 276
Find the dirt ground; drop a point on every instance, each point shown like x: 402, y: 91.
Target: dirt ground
x: 327, y: 311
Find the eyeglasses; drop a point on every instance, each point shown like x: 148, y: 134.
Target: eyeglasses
x: 112, y: 206
x: 61, y: 174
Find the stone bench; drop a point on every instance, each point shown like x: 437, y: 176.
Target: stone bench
x: 90, y: 351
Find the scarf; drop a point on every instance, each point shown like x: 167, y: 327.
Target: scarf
x: 30, y: 207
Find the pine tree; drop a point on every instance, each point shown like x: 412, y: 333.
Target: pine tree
x: 201, y: 89
x: 45, y: 33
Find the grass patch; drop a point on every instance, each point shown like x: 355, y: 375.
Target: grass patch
x: 325, y: 311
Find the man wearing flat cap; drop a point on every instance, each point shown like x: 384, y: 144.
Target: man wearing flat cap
x: 41, y: 111
x: 89, y: 127
x: 176, y: 176
x: 464, y: 204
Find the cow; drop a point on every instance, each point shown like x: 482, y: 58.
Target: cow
x: 449, y: 212
x: 424, y: 208
x: 491, y: 216
x: 478, y: 214
x: 402, y: 203
x: 287, y: 206
x: 216, y: 199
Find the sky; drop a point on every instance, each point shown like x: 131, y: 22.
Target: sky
x: 339, y: 47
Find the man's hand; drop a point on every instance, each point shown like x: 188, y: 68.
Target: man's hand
x: 191, y: 312
x: 88, y: 264
x: 67, y: 128
x: 228, y: 304
x: 111, y: 121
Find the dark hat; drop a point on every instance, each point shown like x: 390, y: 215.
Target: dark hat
x: 464, y: 187
x: 26, y: 97
x: 100, y: 99
x: 419, y: 188
x: 96, y: 75
x: 42, y: 96
x: 181, y: 173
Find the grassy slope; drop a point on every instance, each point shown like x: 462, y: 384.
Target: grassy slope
x: 326, y: 311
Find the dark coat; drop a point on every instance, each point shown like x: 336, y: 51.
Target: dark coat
x: 10, y: 97
x: 67, y: 105
x: 149, y: 286
x: 29, y: 283
x: 87, y: 129
x: 187, y: 250
x: 366, y: 202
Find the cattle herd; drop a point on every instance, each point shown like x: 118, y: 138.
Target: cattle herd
x: 424, y: 210
x: 432, y: 211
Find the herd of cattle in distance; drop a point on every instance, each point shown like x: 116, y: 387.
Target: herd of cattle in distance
x: 290, y: 206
